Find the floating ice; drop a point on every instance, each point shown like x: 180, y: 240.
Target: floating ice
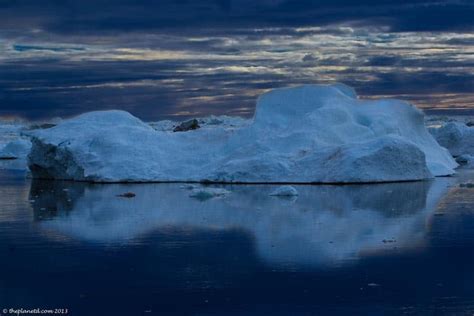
x: 457, y: 137
x: 307, y: 134
x: 206, y: 193
x: 15, y: 149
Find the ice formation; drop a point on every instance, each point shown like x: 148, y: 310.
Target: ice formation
x: 222, y: 121
x: 457, y: 137
x: 16, y: 149
x: 306, y: 134
x: 205, y: 193
x: 13, y: 147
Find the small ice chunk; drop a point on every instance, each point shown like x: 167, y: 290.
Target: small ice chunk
x: 285, y: 190
x: 187, y: 186
x: 187, y: 126
x: 207, y: 193
x: 373, y: 285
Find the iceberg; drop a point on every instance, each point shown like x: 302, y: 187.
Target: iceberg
x: 457, y: 137
x: 16, y: 149
x: 305, y: 134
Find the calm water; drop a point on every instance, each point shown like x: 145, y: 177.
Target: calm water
x: 386, y: 249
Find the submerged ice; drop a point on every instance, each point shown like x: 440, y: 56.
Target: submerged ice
x: 306, y: 134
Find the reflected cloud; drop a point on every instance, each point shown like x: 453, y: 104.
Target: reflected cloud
x: 325, y: 225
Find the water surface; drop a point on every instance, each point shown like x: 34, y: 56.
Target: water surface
x: 386, y: 249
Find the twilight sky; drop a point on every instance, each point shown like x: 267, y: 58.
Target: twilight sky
x: 176, y: 59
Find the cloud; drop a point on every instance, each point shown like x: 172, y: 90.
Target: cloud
x: 106, y: 16
x: 162, y: 58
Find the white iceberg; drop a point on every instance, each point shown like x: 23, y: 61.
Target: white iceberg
x: 457, y: 137
x: 306, y: 134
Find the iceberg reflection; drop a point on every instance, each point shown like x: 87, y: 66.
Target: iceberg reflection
x: 324, y: 225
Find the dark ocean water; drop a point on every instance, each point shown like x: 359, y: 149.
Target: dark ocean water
x: 388, y: 249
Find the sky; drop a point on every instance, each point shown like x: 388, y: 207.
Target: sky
x: 177, y: 59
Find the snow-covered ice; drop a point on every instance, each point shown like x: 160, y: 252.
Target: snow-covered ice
x: 306, y: 134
